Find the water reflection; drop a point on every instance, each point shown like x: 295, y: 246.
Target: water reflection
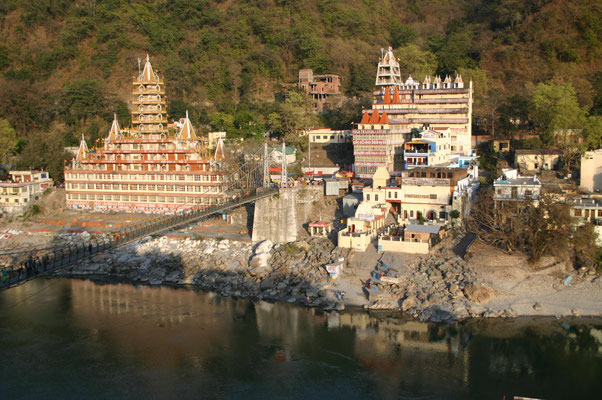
x: 139, y: 342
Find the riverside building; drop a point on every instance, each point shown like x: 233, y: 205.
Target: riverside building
x: 150, y: 167
x: 399, y: 107
x: 21, y: 190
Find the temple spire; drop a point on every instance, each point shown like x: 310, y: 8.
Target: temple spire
x: 219, y: 151
x: 148, y: 75
x: 387, y: 96
x: 115, y: 130
x: 396, y: 99
x: 187, y: 131
x: 82, y: 152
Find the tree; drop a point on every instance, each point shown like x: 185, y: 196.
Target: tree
x: 82, y: 99
x: 221, y: 121
x: 554, y: 108
x: 416, y: 62
x: 534, y: 229
x: 296, y: 115
x: 8, y: 140
x: 401, y: 35
x: 177, y: 109
x: 592, y: 132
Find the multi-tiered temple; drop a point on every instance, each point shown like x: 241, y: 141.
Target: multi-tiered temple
x: 151, y: 167
x: 398, y: 107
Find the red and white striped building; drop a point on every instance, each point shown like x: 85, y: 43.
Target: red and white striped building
x: 150, y: 167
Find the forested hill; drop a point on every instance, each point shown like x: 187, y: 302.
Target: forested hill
x: 66, y: 66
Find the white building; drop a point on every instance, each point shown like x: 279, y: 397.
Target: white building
x: 429, y: 148
x: 513, y: 187
x: 23, y: 188
x: 591, y: 171
x: 329, y: 136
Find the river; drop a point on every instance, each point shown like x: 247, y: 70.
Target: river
x: 75, y: 339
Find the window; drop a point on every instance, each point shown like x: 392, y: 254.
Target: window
x: 368, y: 197
x: 375, y: 197
x: 577, y: 212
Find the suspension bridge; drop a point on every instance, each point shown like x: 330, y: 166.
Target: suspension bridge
x: 249, y: 181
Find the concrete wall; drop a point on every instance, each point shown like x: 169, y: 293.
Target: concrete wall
x: 276, y: 218
x: 404, y: 247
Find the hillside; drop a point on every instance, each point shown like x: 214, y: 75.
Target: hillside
x: 65, y: 66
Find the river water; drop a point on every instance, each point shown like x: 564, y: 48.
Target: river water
x: 74, y: 339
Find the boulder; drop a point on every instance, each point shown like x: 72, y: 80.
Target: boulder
x: 259, y: 260
x: 408, y: 302
x: 264, y: 247
x: 266, y: 284
x: 478, y: 294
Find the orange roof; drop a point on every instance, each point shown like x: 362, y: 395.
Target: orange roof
x: 396, y: 98
x: 320, y: 224
x: 384, y: 119
x: 374, y: 118
x: 365, y: 118
x: 387, y: 96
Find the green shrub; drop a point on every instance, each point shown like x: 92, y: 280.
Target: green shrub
x: 291, y: 248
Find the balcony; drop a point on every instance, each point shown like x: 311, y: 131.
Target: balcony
x: 148, y: 91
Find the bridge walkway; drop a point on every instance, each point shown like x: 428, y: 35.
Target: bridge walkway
x: 43, y: 260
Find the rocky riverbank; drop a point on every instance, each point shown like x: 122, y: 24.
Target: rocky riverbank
x: 294, y: 272
x: 439, y: 287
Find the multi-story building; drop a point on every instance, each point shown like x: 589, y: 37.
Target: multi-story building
x: 319, y: 87
x: 377, y: 143
x: 428, y: 193
x: 591, y: 171
x: 148, y: 167
x: 23, y: 188
x: 435, y: 103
